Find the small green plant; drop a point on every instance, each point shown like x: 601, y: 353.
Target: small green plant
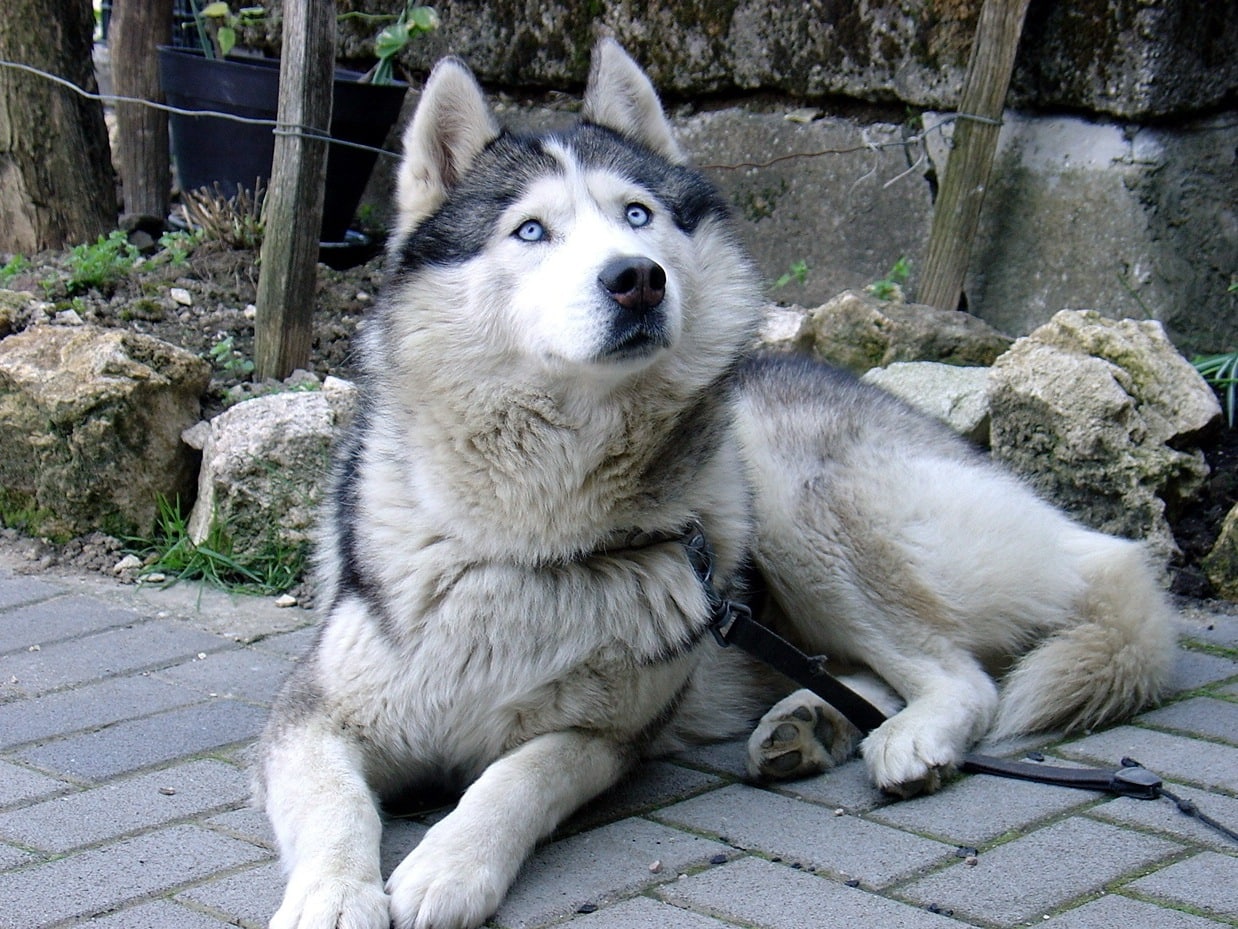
x: 228, y: 359
x: 99, y: 265
x: 218, y: 25
x: 177, y: 245
x: 218, y: 28
x: 172, y: 553
x: 890, y: 287
x: 797, y: 273
x: 1221, y: 371
x: 13, y: 267
x: 414, y: 20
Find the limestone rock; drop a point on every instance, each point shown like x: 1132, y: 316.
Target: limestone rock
x: 1221, y: 564
x: 859, y: 332
x: 90, y: 424
x: 264, y: 467
x: 1100, y: 414
x: 957, y: 396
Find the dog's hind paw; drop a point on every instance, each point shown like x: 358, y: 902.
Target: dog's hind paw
x: 801, y: 735
x: 332, y: 903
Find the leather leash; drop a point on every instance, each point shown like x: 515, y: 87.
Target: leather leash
x: 732, y: 622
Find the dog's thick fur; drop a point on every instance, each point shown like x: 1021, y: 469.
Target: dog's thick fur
x: 554, y: 365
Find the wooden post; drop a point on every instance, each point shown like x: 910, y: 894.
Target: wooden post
x: 138, y: 27
x: 957, y: 213
x: 293, y: 212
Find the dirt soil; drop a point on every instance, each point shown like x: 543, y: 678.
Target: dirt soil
x: 217, y: 288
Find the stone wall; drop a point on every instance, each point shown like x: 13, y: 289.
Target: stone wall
x: 1114, y: 187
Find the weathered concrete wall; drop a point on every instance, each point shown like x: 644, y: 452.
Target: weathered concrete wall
x: 1129, y: 58
x: 1126, y: 206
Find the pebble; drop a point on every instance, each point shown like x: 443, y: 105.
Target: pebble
x: 181, y: 296
x: 285, y: 600
x: 250, y: 311
x: 69, y: 318
x: 128, y: 563
x: 655, y: 867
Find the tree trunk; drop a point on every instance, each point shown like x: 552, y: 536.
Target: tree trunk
x: 56, y: 182
x: 137, y: 29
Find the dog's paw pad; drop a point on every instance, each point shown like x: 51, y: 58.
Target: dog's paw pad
x: 800, y: 736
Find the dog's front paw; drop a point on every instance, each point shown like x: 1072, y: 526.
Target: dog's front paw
x: 904, y: 759
x: 799, y: 736
x: 444, y: 885
x: 318, y: 902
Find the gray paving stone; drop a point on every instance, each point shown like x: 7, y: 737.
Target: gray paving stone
x: 725, y: 757
x: 1040, y: 872
x: 248, y: 824
x: 18, y: 784
x: 1217, y: 625
x: 120, y: 808
x: 812, y: 835
x: 289, y: 644
x: 16, y: 590
x: 140, y: 743
x: 63, y: 617
x: 1171, y: 756
x: 847, y: 787
x: 772, y: 896
x: 104, y: 654
x: 1163, y: 816
x: 1199, y: 669
x: 604, y: 864
x: 1207, y: 882
x: 1007, y: 804
x: 88, y: 707
x: 250, y: 896
x: 400, y: 836
x: 654, y: 784
x: 100, y: 880
x: 242, y: 673
x: 1203, y: 716
x: 12, y: 857
x: 644, y: 913
x: 1113, y: 910
x: 158, y: 914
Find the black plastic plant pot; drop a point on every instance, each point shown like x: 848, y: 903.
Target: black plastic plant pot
x: 210, y: 150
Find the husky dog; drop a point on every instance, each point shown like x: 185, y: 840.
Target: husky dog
x: 554, y: 389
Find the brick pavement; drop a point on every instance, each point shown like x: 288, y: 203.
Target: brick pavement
x: 125, y: 716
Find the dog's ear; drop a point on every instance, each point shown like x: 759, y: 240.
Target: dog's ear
x: 451, y: 126
x: 621, y: 97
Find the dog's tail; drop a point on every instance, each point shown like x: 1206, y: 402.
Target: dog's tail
x: 1113, y: 659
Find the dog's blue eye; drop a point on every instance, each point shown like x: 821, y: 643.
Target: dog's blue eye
x: 531, y: 231
x: 638, y: 215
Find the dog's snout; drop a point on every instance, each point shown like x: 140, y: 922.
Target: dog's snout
x: 636, y: 284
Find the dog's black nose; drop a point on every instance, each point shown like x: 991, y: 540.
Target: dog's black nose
x: 636, y: 284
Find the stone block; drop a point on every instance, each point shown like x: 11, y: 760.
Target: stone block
x: 90, y: 421
x: 1096, y: 414
x: 1207, y: 882
x: 1221, y: 563
x: 265, y: 463
x: 101, y: 879
x: 141, y: 743
x: 813, y: 836
x: 101, y: 813
x: 858, y: 332
x: 1037, y: 873
x: 957, y: 396
x: 753, y: 892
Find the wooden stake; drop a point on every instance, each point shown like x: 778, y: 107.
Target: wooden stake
x: 957, y: 213
x: 292, y: 215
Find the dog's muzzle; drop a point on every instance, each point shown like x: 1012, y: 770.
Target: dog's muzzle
x: 636, y: 288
